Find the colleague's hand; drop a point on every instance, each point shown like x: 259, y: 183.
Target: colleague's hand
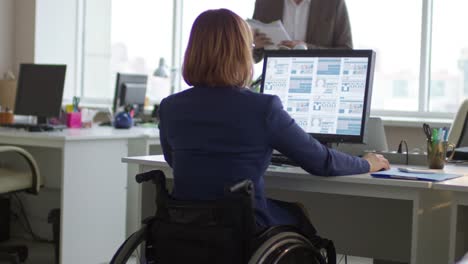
x: 293, y: 43
x: 376, y: 162
x: 261, y: 40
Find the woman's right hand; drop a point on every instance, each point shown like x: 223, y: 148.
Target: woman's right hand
x: 377, y: 162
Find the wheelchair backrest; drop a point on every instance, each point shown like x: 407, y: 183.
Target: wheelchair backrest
x: 218, y: 231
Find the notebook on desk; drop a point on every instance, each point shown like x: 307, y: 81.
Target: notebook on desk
x: 394, y: 173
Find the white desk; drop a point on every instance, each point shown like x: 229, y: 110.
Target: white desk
x: 377, y: 218
x: 84, y: 166
x: 458, y: 239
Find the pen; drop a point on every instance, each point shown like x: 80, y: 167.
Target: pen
x: 441, y: 134
x: 446, y: 134
x: 435, y: 135
x: 427, y: 130
x: 76, y: 102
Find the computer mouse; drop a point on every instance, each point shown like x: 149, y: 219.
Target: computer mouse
x: 382, y: 169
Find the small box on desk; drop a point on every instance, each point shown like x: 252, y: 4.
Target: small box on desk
x: 6, y: 118
x: 74, y: 120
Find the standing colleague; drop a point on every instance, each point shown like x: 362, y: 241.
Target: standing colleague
x: 316, y: 24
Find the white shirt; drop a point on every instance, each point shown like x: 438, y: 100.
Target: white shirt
x: 295, y: 18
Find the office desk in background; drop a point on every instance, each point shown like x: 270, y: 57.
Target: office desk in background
x: 384, y: 219
x: 458, y: 238
x: 83, y: 167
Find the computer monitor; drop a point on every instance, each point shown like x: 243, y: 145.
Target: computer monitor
x: 130, y: 89
x: 40, y: 90
x: 327, y: 92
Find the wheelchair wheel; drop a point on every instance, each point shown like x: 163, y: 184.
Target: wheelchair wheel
x: 287, y: 248
x: 130, y: 245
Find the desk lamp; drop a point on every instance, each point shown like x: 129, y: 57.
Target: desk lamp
x: 162, y: 70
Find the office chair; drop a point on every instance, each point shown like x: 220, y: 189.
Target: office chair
x: 12, y: 181
x: 220, y: 231
x: 458, y: 134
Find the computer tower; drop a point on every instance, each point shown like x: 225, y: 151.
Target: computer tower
x: 4, y: 219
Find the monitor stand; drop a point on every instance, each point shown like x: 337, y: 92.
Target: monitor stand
x: 42, y: 125
x: 42, y: 121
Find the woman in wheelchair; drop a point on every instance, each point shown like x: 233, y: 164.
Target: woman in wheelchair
x: 219, y: 133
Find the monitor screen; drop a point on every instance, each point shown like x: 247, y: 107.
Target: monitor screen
x: 130, y: 89
x: 40, y: 90
x: 327, y: 92
x: 134, y: 93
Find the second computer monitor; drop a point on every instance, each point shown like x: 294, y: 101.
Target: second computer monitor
x: 40, y: 90
x: 327, y: 92
x: 130, y: 89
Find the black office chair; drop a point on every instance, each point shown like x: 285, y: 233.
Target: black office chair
x: 221, y: 231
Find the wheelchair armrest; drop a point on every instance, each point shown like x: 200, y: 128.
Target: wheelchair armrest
x: 245, y: 186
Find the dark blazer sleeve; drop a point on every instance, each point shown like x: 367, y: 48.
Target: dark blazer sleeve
x: 340, y: 27
x: 288, y: 138
x: 342, y: 36
x: 166, y: 148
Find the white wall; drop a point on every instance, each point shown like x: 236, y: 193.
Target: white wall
x: 6, y: 36
x: 414, y: 137
x: 24, y: 33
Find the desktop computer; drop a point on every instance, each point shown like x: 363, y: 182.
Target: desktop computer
x: 327, y: 92
x: 130, y: 90
x: 39, y: 93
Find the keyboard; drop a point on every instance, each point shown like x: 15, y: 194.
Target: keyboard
x: 280, y: 159
x: 107, y: 123
x: 34, y: 127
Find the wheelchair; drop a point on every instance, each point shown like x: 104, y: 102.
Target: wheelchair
x: 220, y: 231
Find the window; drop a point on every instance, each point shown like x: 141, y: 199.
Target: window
x: 400, y: 89
x: 449, y: 57
x: 142, y: 36
x: 421, y: 65
x: 128, y: 37
x: 437, y: 89
x: 96, y: 75
x: 395, y: 35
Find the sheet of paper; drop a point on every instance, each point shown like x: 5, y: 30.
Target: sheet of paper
x: 274, y: 30
x: 394, y: 173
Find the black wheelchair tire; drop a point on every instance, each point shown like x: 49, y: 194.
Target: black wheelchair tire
x: 274, y: 248
x: 126, y: 250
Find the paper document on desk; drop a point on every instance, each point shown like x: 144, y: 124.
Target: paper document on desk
x: 394, y: 173
x: 274, y: 30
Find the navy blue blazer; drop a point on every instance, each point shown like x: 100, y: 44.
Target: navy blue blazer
x: 214, y: 137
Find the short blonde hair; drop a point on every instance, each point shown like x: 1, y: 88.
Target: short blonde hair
x: 219, y: 51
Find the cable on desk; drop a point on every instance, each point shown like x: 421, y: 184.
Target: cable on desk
x: 400, y: 146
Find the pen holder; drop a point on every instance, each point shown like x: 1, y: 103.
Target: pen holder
x: 437, y: 154
x: 74, y: 120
